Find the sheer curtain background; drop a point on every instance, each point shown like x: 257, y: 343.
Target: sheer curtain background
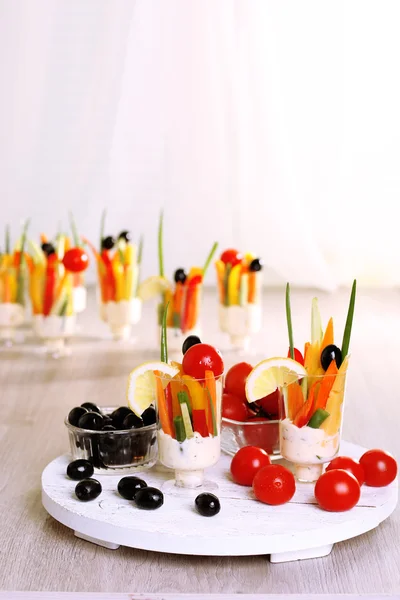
x: 272, y: 126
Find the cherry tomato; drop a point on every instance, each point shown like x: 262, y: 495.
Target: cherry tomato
x: 298, y: 357
x: 260, y: 432
x: 231, y: 257
x: 76, y: 260
x: 337, y: 490
x: 235, y: 380
x: 270, y: 403
x: 234, y: 408
x: 200, y: 358
x: 348, y: 464
x: 274, y: 485
x: 379, y: 466
x: 247, y: 462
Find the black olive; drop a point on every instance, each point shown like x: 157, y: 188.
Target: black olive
x: 207, y: 504
x: 48, y: 249
x: 190, y: 341
x: 149, y: 416
x: 180, y: 276
x: 149, y: 498
x: 88, y: 489
x: 132, y: 421
x: 75, y: 414
x: 80, y: 469
x: 107, y: 420
x: 119, y: 415
x: 108, y: 243
x: 256, y: 265
x: 108, y: 427
x: 91, y: 407
x: 125, y: 235
x: 91, y: 420
x: 128, y: 486
x: 329, y: 354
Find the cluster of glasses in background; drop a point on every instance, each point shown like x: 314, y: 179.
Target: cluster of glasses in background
x: 49, y: 277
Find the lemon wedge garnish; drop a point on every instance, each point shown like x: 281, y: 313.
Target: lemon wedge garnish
x: 271, y: 374
x: 141, y: 390
x: 153, y: 286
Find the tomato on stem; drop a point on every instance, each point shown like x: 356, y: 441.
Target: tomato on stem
x: 235, y: 379
x: 231, y: 257
x: 201, y: 358
x: 337, y: 490
x: 247, y: 462
x: 76, y: 260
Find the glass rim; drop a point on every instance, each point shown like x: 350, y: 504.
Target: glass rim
x: 183, y: 381
x: 100, y: 432
x: 252, y: 423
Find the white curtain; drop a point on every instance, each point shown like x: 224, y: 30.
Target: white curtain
x: 272, y: 126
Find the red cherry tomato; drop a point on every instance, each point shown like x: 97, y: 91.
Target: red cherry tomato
x: 298, y: 357
x: 234, y: 408
x: 76, y: 260
x: 274, y: 485
x: 235, y: 380
x: 270, y: 403
x: 200, y: 358
x: 247, y: 462
x: 337, y: 490
x: 231, y: 257
x: 348, y: 464
x: 379, y: 466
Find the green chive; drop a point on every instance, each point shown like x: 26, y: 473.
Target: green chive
x: 21, y: 275
x: 209, y: 258
x: 102, y: 225
x: 349, y: 321
x: 7, y: 241
x: 160, y: 246
x: 74, y: 230
x: 164, y: 344
x: 140, y: 251
x: 289, y: 321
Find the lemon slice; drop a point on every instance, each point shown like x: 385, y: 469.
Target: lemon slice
x: 153, y: 286
x: 270, y: 374
x: 141, y: 390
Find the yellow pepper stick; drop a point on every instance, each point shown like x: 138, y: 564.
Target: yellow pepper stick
x: 128, y: 284
x: 118, y: 271
x: 196, y: 392
x: 234, y: 284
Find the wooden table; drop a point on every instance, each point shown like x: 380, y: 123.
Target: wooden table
x: 36, y: 392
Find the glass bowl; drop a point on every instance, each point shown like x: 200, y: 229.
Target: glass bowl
x: 263, y: 434
x: 126, y: 450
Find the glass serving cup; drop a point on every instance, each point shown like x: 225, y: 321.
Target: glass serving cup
x: 111, y: 452
x: 54, y: 331
x: 12, y: 313
x: 240, y: 312
x: 189, y: 427
x: 183, y: 317
x: 120, y: 307
x: 309, y: 448
x: 262, y: 434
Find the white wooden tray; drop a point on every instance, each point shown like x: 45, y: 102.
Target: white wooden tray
x: 297, y: 530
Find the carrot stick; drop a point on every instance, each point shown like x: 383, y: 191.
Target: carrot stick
x: 326, y: 385
x: 162, y: 407
x: 252, y: 286
x: 304, y: 414
x: 295, y: 400
x: 306, y: 347
x: 211, y: 386
x: 176, y: 387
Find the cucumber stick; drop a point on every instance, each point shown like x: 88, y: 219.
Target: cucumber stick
x: 318, y: 418
x: 187, y: 423
x: 179, y: 429
x: 316, y: 325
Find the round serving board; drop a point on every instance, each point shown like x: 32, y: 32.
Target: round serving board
x: 296, y: 530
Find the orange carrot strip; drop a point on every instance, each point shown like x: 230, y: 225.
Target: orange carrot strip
x: 306, y: 347
x: 178, y: 298
x: 162, y: 407
x: 211, y: 386
x: 304, y: 414
x: 252, y: 286
x: 326, y: 385
x: 295, y: 400
x: 176, y: 387
x: 43, y: 238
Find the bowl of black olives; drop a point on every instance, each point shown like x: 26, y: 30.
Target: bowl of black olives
x: 113, y: 439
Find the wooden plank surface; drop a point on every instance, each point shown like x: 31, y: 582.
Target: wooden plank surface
x: 36, y: 392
